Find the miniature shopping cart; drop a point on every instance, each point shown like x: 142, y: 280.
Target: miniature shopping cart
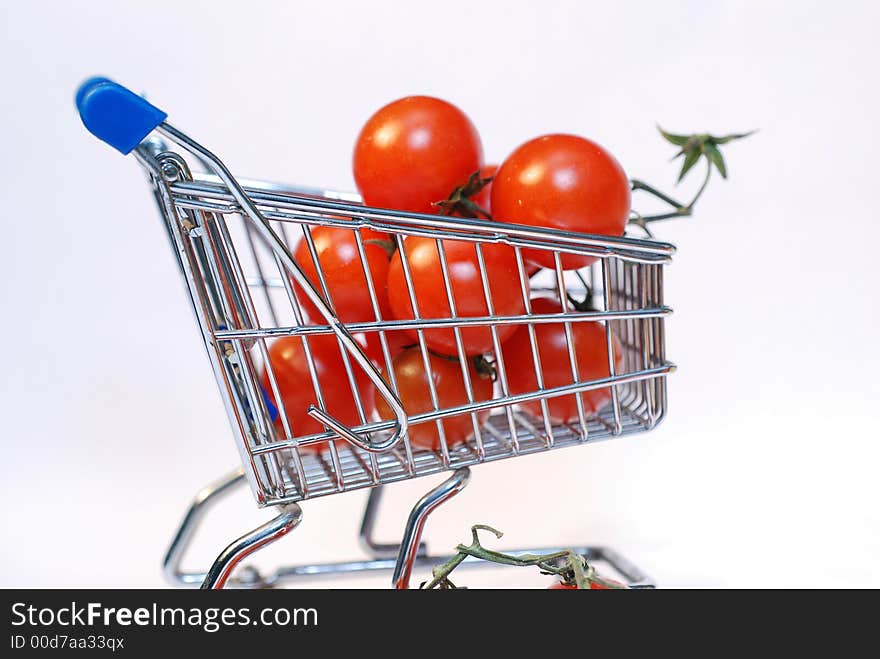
x: 233, y: 239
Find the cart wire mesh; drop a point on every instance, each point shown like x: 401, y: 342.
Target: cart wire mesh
x: 244, y: 299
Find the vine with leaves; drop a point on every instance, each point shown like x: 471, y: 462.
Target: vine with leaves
x: 692, y: 148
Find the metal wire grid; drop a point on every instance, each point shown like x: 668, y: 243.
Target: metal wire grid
x: 246, y: 299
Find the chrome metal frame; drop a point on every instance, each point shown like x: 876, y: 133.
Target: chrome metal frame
x: 232, y: 240
x: 401, y: 559
x: 239, y: 311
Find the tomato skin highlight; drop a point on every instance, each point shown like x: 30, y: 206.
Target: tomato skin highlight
x: 413, y: 152
x: 415, y: 394
x: 592, y: 362
x: 288, y: 359
x: 562, y: 182
x: 344, y: 273
x: 423, y: 258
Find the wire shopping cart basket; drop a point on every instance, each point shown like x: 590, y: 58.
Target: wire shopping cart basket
x: 233, y: 240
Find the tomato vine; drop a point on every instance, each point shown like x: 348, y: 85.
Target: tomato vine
x: 568, y: 565
x: 692, y: 148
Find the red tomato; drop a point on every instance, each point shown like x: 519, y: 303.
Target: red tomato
x: 414, y: 152
x: 423, y: 258
x: 592, y: 363
x: 288, y: 359
x: 415, y: 394
x: 562, y: 182
x: 344, y: 273
x: 397, y: 341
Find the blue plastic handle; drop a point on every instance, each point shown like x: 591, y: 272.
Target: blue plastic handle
x: 115, y: 114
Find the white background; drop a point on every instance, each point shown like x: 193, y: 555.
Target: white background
x: 765, y: 472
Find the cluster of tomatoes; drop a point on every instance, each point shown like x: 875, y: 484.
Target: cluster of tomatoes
x: 423, y: 155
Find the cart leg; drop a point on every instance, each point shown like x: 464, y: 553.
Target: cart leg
x: 204, y: 499
x: 247, y: 544
x: 415, y: 524
x: 365, y: 536
x: 219, y: 573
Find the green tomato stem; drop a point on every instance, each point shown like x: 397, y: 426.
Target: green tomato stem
x: 681, y: 210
